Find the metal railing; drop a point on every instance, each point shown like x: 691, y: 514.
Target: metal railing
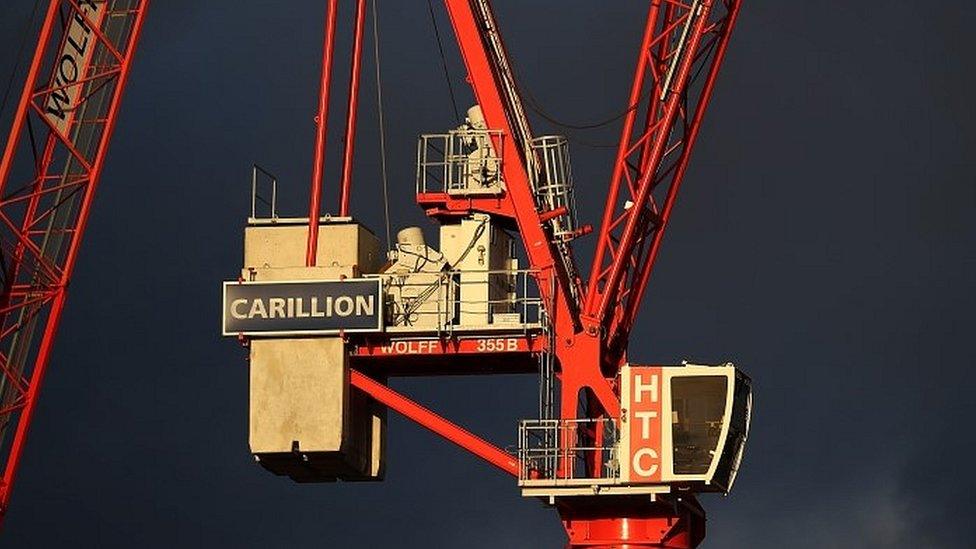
x: 460, y: 162
x: 553, y: 183
x: 553, y: 450
x: 441, y: 301
x: 547, y: 378
x: 256, y: 197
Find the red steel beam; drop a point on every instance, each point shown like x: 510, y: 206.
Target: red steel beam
x: 553, y: 280
x: 474, y: 26
x: 347, y: 157
x: 321, y: 122
x: 440, y: 426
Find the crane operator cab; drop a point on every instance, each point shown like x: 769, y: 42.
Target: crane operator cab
x: 681, y: 428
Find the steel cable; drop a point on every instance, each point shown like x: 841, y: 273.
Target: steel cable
x: 447, y: 74
x: 19, y: 57
x: 382, y: 130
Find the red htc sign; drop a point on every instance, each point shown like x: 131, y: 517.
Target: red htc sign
x: 644, y: 424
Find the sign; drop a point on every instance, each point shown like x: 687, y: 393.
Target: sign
x: 72, y: 64
x: 302, y: 307
x: 412, y: 346
x: 462, y: 346
x: 498, y: 345
x: 643, y: 423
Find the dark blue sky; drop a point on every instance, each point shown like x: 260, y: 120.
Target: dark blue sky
x: 825, y: 241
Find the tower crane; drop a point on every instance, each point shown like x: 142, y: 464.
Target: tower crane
x: 620, y: 449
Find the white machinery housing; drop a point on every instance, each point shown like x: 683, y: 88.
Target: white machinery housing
x: 470, y: 283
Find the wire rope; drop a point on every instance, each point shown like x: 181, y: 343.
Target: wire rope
x: 440, y: 49
x: 382, y: 129
x: 20, y: 55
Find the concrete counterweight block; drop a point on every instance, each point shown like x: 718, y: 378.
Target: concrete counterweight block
x: 305, y: 421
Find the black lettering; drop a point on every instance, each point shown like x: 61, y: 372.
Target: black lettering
x: 81, y: 22
x: 68, y: 62
x: 80, y: 48
x: 58, y: 100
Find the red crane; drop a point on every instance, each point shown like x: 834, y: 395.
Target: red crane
x: 56, y: 151
x: 51, y: 164
x: 682, y: 50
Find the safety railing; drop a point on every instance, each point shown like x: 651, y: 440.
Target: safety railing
x: 449, y: 300
x: 553, y: 183
x: 564, y: 450
x: 460, y: 162
x: 268, y: 198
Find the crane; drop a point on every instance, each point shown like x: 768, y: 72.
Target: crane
x: 623, y: 448
x: 620, y: 449
x: 49, y: 172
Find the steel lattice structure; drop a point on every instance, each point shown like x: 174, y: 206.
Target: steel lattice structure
x: 48, y: 175
x: 683, y: 48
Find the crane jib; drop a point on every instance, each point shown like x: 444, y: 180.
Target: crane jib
x: 74, y: 86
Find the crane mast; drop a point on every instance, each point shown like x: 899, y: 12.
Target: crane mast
x: 49, y: 171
